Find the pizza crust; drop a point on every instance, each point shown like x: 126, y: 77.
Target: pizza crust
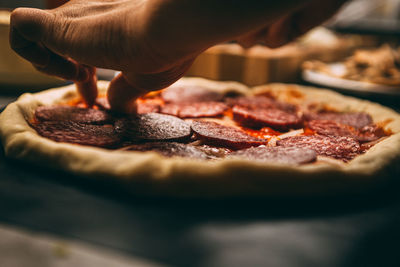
x: 149, y: 173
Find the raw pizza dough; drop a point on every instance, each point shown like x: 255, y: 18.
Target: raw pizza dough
x: 149, y: 173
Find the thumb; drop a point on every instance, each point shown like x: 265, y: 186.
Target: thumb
x: 125, y: 88
x: 122, y: 95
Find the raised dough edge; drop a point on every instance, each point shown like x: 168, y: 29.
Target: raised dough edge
x: 149, y: 173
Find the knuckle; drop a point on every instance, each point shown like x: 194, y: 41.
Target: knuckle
x: 16, y: 15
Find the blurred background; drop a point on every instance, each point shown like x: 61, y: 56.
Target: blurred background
x: 26, y: 3
x: 360, y: 24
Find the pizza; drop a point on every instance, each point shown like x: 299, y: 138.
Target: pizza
x: 202, y: 138
x: 378, y: 66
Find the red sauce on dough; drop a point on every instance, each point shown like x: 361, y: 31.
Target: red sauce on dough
x: 264, y: 133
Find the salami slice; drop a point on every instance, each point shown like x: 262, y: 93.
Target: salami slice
x: 357, y: 120
x: 189, y: 94
x: 330, y: 128
x: 75, y: 114
x: 275, y: 118
x: 343, y: 148
x: 147, y: 107
x: 153, y: 127
x: 171, y: 109
x: 370, y: 133
x: 286, y: 155
x: 171, y: 149
x: 78, y: 133
x: 195, y: 110
x: 260, y: 102
x: 365, y: 146
x: 212, y: 133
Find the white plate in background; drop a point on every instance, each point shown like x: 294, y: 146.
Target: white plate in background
x: 351, y: 86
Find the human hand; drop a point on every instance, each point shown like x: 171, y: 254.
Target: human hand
x: 292, y: 24
x: 151, y: 42
x: 67, y: 41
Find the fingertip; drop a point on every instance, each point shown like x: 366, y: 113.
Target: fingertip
x: 127, y: 87
x: 250, y: 39
x: 122, y: 95
x: 273, y: 43
x: 246, y: 42
x: 88, y: 88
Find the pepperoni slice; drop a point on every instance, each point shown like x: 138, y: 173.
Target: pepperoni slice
x: 260, y: 102
x: 212, y: 133
x: 195, y: 110
x: 370, y: 133
x: 78, y: 133
x: 357, y: 120
x: 365, y: 146
x: 331, y: 128
x: 339, y: 147
x: 171, y: 109
x: 275, y: 118
x: 147, y: 107
x: 189, y: 94
x: 153, y: 127
x: 75, y: 114
x: 171, y: 149
x: 286, y: 155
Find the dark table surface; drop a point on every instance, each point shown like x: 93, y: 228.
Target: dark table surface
x: 346, y: 231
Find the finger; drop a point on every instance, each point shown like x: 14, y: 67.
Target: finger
x: 31, y: 23
x: 87, y: 89
x: 122, y: 95
x: 274, y: 35
x: 307, y: 18
x: 278, y: 33
x: 64, y: 68
x: 289, y: 27
x: 28, y: 29
x: 250, y: 39
x: 36, y: 54
x: 127, y: 87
